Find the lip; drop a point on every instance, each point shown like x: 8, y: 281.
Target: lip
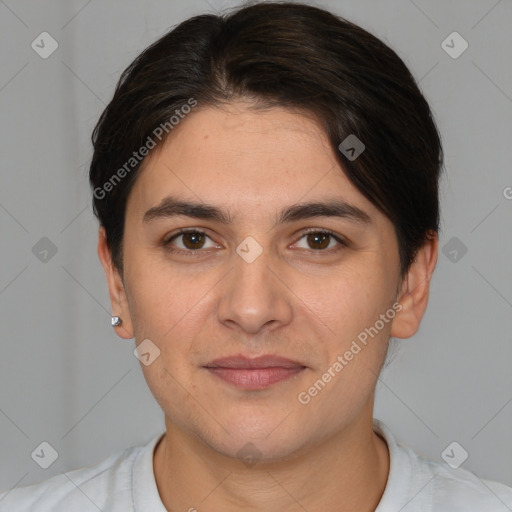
x: 254, y: 373
x: 265, y: 361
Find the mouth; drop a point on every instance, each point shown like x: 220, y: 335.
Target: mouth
x: 254, y: 373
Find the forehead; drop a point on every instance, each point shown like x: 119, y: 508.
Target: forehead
x: 250, y: 160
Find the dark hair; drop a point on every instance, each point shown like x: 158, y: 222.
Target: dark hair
x: 289, y: 55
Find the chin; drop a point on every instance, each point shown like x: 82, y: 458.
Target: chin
x: 259, y: 439
x: 258, y: 451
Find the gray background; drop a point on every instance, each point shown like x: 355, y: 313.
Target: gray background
x: 67, y: 379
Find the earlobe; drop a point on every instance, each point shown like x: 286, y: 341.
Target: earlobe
x: 116, y: 288
x: 414, y: 291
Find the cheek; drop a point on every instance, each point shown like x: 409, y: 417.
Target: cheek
x: 355, y: 346
x: 350, y: 304
x: 173, y: 391
x: 174, y: 311
x: 162, y: 298
x: 348, y: 300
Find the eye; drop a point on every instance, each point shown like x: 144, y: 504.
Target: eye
x: 191, y: 241
x: 321, y: 240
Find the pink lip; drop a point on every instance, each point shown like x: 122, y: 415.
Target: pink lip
x: 254, y: 373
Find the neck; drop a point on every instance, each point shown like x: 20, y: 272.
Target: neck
x: 347, y: 471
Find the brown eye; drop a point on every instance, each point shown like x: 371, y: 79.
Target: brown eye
x: 318, y: 240
x: 191, y: 241
x: 321, y: 241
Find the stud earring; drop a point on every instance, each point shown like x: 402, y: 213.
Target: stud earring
x: 115, y: 321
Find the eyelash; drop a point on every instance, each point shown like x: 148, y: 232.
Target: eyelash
x: 167, y: 243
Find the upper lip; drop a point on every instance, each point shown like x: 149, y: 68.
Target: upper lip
x: 265, y: 361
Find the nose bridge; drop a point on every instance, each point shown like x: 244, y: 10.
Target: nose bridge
x: 251, y: 266
x: 252, y: 281
x: 252, y: 294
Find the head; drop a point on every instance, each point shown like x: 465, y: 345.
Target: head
x: 298, y: 153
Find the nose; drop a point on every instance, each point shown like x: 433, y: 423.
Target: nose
x: 253, y: 296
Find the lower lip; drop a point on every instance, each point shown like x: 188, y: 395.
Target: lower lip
x: 255, y: 378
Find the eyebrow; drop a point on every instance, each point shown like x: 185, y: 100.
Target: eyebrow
x: 172, y: 206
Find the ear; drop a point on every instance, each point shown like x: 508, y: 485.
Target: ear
x: 115, y: 287
x: 414, y: 290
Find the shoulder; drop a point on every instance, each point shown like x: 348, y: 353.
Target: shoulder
x: 95, y: 487
x: 461, y: 490
x: 418, y: 483
x: 457, y: 490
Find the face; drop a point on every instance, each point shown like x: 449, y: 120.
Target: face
x: 257, y: 273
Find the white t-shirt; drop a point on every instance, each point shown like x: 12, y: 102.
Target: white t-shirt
x: 125, y: 482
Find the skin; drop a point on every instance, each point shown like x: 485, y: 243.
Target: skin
x: 298, y: 299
